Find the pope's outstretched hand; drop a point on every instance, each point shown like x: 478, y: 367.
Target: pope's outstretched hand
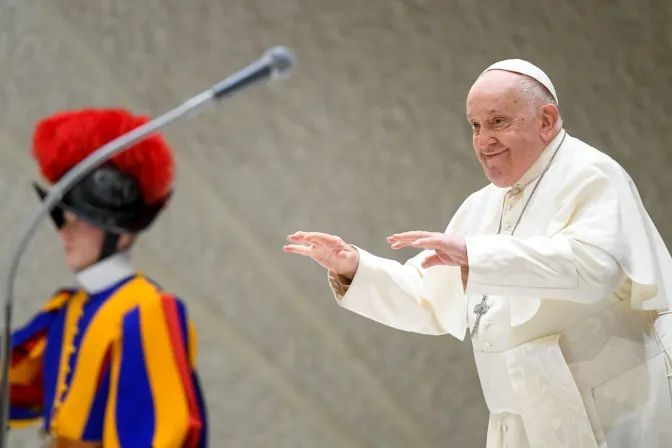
x: 448, y: 249
x: 330, y: 251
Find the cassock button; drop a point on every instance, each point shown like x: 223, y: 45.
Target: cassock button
x: 487, y: 345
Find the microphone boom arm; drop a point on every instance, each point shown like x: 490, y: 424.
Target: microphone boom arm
x: 276, y: 63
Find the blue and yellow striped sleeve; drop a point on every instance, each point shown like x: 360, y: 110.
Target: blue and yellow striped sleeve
x: 155, y: 397
x: 26, y: 374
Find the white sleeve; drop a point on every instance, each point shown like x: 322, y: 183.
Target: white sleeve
x: 388, y: 292
x: 559, y: 267
x: 406, y: 296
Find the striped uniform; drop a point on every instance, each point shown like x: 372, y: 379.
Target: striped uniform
x: 116, y: 368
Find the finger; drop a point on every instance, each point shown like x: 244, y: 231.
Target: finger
x: 429, y: 243
x: 408, y: 236
x: 326, y: 240
x: 432, y: 260
x: 298, y: 249
x: 308, y: 236
x: 401, y: 244
x: 314, y: 239
x: 297, y: 236
x: 431, y: 240
x: 439, y: 259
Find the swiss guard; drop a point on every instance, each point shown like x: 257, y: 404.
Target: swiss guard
x: 112, y: 362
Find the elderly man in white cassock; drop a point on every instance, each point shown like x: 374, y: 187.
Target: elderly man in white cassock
x: 554, y: 269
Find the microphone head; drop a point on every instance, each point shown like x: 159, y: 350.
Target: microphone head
x: 281, y: 61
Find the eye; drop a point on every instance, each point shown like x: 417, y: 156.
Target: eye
x: 498, y: 121
x: 475, y: 126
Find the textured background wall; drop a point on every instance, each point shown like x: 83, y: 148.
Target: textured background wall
x: 368, y: 138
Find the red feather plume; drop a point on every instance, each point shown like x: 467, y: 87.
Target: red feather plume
x: 64, y: 139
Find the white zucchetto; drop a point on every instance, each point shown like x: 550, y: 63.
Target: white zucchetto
x: 525, y: 68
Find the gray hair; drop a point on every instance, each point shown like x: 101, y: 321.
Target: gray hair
x: 536, y: 93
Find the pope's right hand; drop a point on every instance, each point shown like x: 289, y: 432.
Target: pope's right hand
x: 330, y: 251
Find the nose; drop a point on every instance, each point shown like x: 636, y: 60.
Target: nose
x: 69, y: 217
x: 68, y: 226
x: 484, y: 141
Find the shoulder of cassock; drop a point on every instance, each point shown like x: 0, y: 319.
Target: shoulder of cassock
x: 597, y: 203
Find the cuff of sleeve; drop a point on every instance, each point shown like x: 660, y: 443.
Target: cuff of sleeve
x: 342, y: 289
x: 337, y: 285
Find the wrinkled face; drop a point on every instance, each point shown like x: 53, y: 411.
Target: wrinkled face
x: 509, y: 133
x: 83, y: 242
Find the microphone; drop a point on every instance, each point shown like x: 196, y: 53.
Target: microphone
x: 276, y: 63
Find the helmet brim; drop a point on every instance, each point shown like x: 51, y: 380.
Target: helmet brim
x: 108, y: 220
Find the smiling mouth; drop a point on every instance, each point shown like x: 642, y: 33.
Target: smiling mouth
x: 493, y: 156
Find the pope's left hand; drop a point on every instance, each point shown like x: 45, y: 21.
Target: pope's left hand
x: 448, y: 249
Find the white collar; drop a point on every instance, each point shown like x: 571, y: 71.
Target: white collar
x: 106, y: 273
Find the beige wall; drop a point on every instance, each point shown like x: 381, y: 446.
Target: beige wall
x: 368, y: 138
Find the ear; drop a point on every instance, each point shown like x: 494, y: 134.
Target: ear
x: 549, y: 120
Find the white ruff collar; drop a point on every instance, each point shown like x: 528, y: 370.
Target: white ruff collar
x: 106, y: 273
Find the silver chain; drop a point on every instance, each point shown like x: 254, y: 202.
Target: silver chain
x: 483, y: 306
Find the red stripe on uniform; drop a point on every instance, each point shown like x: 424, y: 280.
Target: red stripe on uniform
x: 27, y: 395
x: 180, y: 350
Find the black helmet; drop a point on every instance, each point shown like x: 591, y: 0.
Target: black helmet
x: 106, y: 198
x: 124, y: 195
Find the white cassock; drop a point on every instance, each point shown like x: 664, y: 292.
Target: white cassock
x: 574, y: 349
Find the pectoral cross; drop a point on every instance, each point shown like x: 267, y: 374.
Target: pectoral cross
x: 480, y: 311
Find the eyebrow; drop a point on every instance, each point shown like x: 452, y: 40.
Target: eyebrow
x: 490, y: 112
